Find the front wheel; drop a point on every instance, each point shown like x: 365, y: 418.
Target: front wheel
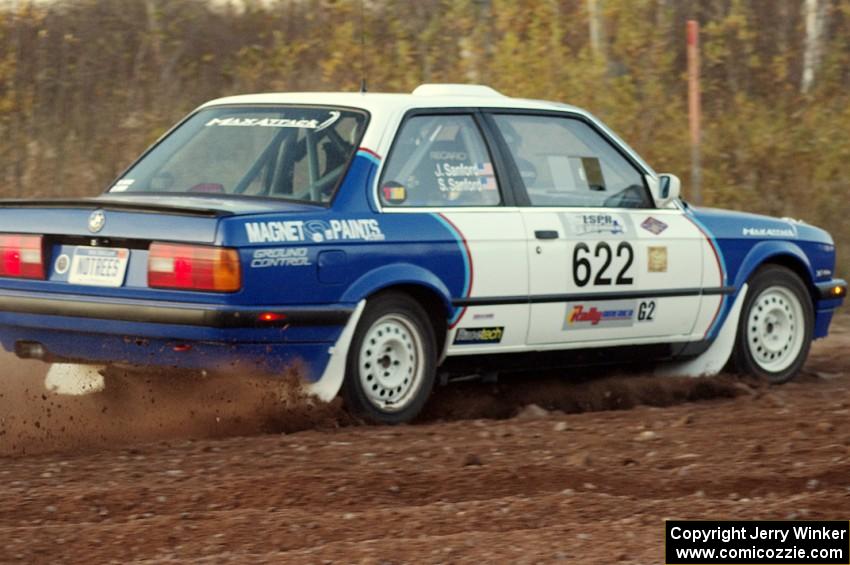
x: 775, y: 329
x: 391, y: 364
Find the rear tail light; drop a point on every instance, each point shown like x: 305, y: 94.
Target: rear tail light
x: 193, y: 267
x: 22, y: 256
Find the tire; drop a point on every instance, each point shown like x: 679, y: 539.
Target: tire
x: 775, y: 329
x: 392, y: 361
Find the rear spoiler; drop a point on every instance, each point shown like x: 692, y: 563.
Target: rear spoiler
x: 117, y: 205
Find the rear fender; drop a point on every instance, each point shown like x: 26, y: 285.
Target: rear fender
x: 328, y: 386
x: 394, y: 275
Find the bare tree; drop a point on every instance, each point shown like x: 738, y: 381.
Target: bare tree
x: 597, y: 29
x: 814, y: 12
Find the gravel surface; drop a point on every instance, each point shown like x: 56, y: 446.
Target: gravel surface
x: 551, y: 470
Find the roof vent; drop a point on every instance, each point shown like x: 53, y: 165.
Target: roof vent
x: 455, y: 90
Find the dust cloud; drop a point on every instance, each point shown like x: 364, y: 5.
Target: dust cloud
x: 142, y: 408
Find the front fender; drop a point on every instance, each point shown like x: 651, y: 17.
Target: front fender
x: 768, y: 250
x: 395, y: 275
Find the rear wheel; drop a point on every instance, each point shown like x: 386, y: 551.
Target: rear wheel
x: 775, y: 329
x: 391, y: 364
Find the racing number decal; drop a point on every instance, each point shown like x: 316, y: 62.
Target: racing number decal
x: 581, y: 265
x: 583, y: 269
x: 603, y: 249
x: 626, y: 248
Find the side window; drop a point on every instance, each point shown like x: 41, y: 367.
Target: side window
x: 439, y: 161
x: 565, y: 162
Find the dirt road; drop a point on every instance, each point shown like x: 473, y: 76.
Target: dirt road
x: 120, y: 482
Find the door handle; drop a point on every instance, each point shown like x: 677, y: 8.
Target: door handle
x: 546, y: 234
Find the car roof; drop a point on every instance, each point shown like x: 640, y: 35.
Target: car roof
x: 425, y: 96
x: 385, y: 107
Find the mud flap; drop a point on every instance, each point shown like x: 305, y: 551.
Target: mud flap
x: 74, y: 380
x: 717, y: 355
x: 329, y: 385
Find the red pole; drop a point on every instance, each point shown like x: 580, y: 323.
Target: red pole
x: 694, y: 110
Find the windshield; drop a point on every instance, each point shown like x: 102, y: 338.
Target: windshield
x: 291, y: 152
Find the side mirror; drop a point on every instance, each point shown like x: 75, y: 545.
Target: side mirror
x: 665, y: 189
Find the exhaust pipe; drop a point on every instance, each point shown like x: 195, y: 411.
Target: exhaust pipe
x: 31, y: 350
x: 63, y: 378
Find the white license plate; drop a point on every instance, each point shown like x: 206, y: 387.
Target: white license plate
x: 99, y: 266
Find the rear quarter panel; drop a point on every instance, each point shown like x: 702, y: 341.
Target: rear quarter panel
x: 331, y: 257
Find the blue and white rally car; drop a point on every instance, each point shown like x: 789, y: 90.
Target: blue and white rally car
x: 378, y: 239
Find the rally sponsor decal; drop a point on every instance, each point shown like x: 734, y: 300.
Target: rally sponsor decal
x: 657, y: 259
x: 473, y: 336
x: 790, y: 231
x: 609, y: 314
x: 280, y: 257
x: 315, y: 231
x: 582, y: 225
x: 275, y: 122
x: 653, y: 226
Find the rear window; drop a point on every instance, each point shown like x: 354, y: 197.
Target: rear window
x: 295, y: 153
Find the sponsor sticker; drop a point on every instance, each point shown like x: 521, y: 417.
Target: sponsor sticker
x: 770, y: 232
x: 315, y: 231
x: 280, y: 257
x: 595, y: 224
x: 653, y: 226
x: 610, y: 314
x: 275, y: 122
x: 471, y: 336
x: 657, y: 259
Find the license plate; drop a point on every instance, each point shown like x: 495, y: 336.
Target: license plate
x: 99, y: 266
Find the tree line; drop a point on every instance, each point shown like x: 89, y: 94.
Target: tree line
x: 86, y: 85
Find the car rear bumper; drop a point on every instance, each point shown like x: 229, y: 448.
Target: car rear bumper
x: 308, y: 360
x: 144, y: 311
x: 93, y: 330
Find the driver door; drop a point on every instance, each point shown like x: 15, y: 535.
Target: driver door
x: 606, y: 267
